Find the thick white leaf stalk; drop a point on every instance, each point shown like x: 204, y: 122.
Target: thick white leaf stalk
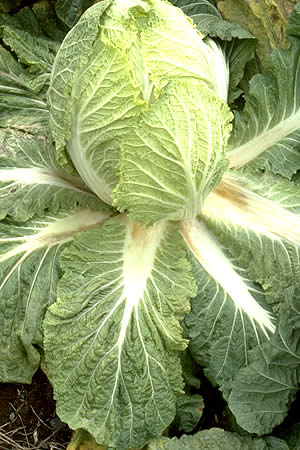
x: 58, y: 230
x: 232, y: 202
x: 139, y: 252
x: 207, y: 251
x: 220, y: 65
x: 270, y: 136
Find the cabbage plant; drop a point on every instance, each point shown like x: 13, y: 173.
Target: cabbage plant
x: 141, y: 214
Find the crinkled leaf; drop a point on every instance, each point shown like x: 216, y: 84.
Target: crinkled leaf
x: 267, y: 132
x: 22, y: 34
x: 174, y: 156
x: 189, y: 412
x: 102, y: 112
x: 8, y: 63
x: 69, y: 11
x: 29, y: 272
x: 31, y: 180
x: 49, y: 23
x: 264, y: 390
x: 113, y: 336
x: 227, y: 317
x: 23, y: 83
x: 257, y: 217
x: 92, y: 106
x: 217, y: 439
x: 239, y: 52
x: 190, y: 370
x: 163, y: 45
x: 210, y: 22
x: 20, y: 107
x: 39, y: 19
x: 121, y: 67
x: 70, y: 61
x: 158, y: 443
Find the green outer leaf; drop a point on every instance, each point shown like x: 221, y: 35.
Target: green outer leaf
x: 69, y: 11
x: 23, y: 34
x: 31, y: 180
x: 39, y: 19
x: 257, y: 217
x: 220, y: 332
x: 24, y: 19
x: 8, y: 63
x: 49, y: 23
x: 105, y: 103
x: 20, y: 107
x: 175, y: 156
x: 190, y: 371
x: 263, y: 392
x: 32, y: 51
x: 266, y: 133
x: 71, y: 59
x: 293, y: 30
x: 113, y: 336
x: 189, y: 412
x: 239, y: 52
x: 24, y: 300
x: 29, y: 272
x: 209, y: 20
x: 217, y: 439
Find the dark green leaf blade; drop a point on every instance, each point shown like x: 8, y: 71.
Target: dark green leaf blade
x: 217, y: 439
x: 69, y: 11
x: 189, y: 412
x: 36, y: 51
x: 113, y: 336
x: 20, y: 106
x: 266, y: 134
x: 220, y: 332
x: 263, y: 392
x: 31, y: 181
x: 29, y: 271
x: 257, y: 217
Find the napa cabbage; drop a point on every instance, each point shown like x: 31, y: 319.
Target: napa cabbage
x: 146, y: 209
x: 139, y: 67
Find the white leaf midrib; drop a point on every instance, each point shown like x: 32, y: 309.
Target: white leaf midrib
x: 207, y: 252
x: 38, y: 176
x: 269, y: 137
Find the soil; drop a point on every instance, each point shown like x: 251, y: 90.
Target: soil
x: 28, y: 419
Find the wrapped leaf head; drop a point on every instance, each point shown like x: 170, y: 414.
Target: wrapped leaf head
x: 135, y: 81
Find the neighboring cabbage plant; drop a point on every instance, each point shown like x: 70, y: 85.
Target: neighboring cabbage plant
x: 133, y: 206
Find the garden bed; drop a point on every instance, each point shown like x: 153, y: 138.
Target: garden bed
x: 28, y: 419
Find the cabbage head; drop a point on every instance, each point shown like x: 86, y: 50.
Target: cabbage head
x: 138, y: 108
